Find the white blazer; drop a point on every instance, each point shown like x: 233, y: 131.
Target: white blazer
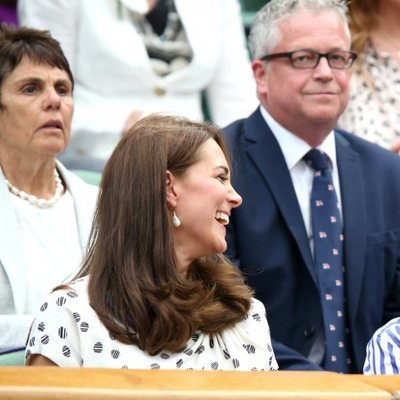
x: 14, y: 323
x: 113, y: 72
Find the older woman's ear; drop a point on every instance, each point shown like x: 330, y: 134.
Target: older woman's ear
x: 172, y: 195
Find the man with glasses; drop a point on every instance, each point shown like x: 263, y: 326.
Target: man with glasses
x: 326, y: 289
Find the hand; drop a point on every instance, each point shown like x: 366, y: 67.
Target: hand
x: 395, y: 146
x: 133, y: 117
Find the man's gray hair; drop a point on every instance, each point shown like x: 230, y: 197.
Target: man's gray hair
x: 265, y: 34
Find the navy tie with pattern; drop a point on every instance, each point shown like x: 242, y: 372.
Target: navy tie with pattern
x: 328, y: 259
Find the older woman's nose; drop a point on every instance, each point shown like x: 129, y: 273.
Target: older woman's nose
x: 52, y: 99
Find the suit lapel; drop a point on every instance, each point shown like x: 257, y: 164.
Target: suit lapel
x: 354, y: 217
x: 266, y: 153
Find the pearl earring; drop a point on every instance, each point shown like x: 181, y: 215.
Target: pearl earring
x: 176, y: 221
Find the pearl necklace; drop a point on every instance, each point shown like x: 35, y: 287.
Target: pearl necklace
x: 35, y: 201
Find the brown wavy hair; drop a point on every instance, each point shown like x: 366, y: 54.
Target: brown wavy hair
x: 363, y: 19
x: 134, y: 284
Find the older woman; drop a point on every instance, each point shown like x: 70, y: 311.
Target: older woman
x: 45, y: 212
x: 154, y: 291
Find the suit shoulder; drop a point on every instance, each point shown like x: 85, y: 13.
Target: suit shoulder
x: 233, y: 128
x: 370, y: 153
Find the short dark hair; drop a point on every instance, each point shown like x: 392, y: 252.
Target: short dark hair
x: 37, y: 45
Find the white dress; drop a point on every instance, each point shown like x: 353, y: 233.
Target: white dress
x: 68, y: 331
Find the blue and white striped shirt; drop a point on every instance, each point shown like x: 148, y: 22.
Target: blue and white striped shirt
x: 383, y: 350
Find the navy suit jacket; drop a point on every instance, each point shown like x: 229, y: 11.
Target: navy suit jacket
x: 267, y: 239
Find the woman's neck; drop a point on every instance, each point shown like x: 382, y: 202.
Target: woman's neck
x: 33, y: 177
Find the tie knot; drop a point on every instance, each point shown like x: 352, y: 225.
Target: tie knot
x: 316, y: 159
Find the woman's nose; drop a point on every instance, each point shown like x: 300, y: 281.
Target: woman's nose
x: 234, y: 198
x: 52, y: 99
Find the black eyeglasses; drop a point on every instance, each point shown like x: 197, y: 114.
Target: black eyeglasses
x: 338, y: 59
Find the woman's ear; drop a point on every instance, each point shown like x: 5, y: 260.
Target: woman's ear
x: 171, y: 190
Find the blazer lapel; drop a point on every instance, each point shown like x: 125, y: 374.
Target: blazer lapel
x: 11, y: 256
x: 192, y: 15
x: 354, y: 217
x: 83, y: 214
x: 266, y: 153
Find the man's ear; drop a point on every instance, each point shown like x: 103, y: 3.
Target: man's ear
x: 259, y: 73
x: 172, y: 195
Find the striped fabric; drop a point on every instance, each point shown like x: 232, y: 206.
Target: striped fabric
x: 383, y: 350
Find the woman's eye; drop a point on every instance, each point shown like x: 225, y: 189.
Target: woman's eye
x: 62, y: 91
x: 29, y: 89
x: 222, y: 178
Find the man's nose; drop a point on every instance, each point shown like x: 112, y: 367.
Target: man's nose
x: 323, y: 67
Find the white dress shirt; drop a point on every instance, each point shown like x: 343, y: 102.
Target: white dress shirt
x: 294, y: 149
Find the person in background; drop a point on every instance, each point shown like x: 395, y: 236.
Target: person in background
x: 8, y: 12
x: 374, y: 107
x: 134, y: 57
x: 383, y: 350
x: 319, y: 228
x: 154, y: 291
x: 46, y: 211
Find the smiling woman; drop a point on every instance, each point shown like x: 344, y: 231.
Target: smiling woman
x: 203, y: 222
x: 46, y: 212
x: 154, y: 291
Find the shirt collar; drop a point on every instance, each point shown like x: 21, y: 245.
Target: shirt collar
x: 294, y: 148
